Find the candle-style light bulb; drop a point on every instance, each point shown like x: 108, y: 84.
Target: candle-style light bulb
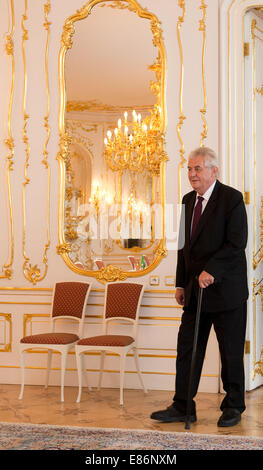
x: 119, y: 123
x: 109, y: 134
x: 105, y: 141
x: 126, y: 130
x: 135, y: 117
x: 145, y: 127
x: 116, y: 131
x: 125, y: 115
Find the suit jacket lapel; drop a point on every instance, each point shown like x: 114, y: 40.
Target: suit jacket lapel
x: 206, y: 213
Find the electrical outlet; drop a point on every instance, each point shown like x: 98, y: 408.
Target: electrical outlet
x: 154, y: 280
x: 170, y: 281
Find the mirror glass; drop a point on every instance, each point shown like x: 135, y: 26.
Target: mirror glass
x: 112, y: 118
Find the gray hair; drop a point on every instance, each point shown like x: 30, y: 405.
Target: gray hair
x: 210, y: 157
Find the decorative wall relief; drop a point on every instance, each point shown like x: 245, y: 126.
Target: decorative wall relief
x: 33, y: 273
x: 6, y: 271
x: 202, y: 28
x: 6, y: 332
x: 258, y: 254
x: 257, y: 290
x: 182, y: 117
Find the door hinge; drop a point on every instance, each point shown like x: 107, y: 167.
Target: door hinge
x: 247, y: 197
x: 246, y: 49
x: 247, y: 347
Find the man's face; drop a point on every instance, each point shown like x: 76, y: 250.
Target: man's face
x: 200, y: 176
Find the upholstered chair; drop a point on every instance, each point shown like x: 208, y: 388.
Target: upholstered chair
x: 122, y: 303
x: 99, y: 263
x: 69, y: 302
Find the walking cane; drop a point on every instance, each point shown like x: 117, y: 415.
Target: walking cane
x: 190, y: 386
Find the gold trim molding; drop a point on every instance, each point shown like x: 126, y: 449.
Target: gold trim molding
x: 97, y: 106
x: 32, y: 272
x: 257, y: 290
x: 9, y: 142
x: 202, y: 28
x: 258, y: 255
x: 8, y: 346
x: 260, y: 90
x: 182, y: 117
x: 28, y: 318
x: 158, y: 88
x: 258, y: 368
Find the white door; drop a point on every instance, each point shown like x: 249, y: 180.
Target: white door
x: 253, y: 132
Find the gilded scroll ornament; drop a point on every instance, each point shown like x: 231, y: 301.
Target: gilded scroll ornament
x: 257, y: 290
x: 9, y: 142
x: 182, y: 117
x: 7, y: 347
x: 74, y: 129
x: 258, y: 256
x: 161, y: 251
x: 67, y: 35
x: 119, y: 4
x: 64, y: 248
x: 32, y: 272
x: 111, y: 274
x: 97, y: 105
x: 202, y: 28
x: 259, y: 364
x: 7, y: 273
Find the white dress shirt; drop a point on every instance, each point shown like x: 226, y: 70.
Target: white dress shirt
x: 206, y: 196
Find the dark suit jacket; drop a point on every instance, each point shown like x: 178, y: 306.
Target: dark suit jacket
x: 218, y: 247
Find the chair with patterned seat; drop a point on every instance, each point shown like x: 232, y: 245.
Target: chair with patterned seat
x: 69, y: 302
x: 122, y: 303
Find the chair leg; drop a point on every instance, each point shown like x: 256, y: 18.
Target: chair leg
x: 122, y: 370
x: 84, y: 370
x: 79, y: 367
x: 135, y: 352
x: 23, y: 359
x: 49, y: 358
x: 63, y: 370
x: 102, y: 358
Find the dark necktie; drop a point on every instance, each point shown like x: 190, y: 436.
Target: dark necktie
x: 197, y: 214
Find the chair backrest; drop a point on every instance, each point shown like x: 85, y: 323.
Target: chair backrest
x: 70, y: 300
x: 78, y: 264
x: 147, y: 261
x: 100, y: 264
x: 132, y: 261
x: 122, y: 300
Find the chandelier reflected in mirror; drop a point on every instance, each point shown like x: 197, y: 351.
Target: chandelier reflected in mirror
x: 136, y: 145
x: 112, y: 165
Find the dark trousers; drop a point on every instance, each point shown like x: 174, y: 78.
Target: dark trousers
x: 230, y: 328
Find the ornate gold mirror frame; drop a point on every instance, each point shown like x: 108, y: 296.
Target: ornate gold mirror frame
x: 110, y: 272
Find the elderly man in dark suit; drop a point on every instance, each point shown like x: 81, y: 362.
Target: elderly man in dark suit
x: 213, y: 257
